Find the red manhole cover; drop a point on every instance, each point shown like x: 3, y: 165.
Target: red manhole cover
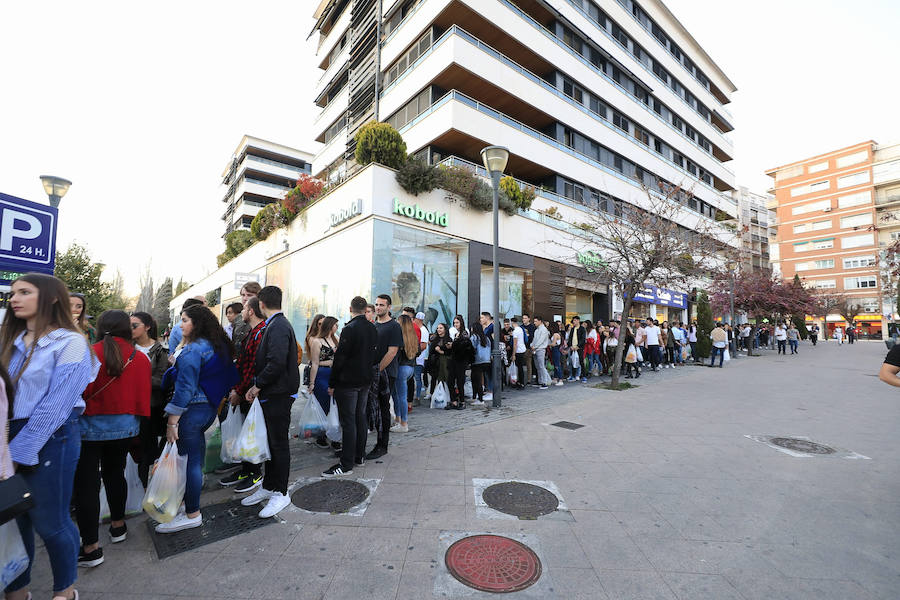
x: 492, y: 563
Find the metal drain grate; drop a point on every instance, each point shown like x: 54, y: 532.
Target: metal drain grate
x: 522, y: 500
x: 567, y: 425
x: 805, y: 446
x: 330, y: 496
x: 492, y: 563
x: 220, y: 522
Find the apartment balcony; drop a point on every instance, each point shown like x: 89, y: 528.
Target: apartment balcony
x: 330, y: 152
x: 335, y: 109
x: 256, y: 163
x: 480, y: 18
x: 339, y: 62
x: 334, y: 35
x: 887, y: 172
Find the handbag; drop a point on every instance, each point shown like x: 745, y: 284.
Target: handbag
x: 15, y: 496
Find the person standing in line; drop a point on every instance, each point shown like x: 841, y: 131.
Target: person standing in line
x: 814, y: 334
x: 232, y: 317
x: 487, y: 324
x: 115, y: 402
x: 406, y: 366
x: 276, y: 383
x: 79, y: 313
x: 481, y: 363
x: 528, y: 332
x: 51, y: 364
x: 781, y: 337
x: 176, y: 334
x: 370, y: 313
x: 839, y: 335
x: 591, y: 343
x: 144, y: 333
x: 719, y: 339
x: 423, y: 356
x: 678, y: 342
x: 518, y: 349
x: 390, y: 337
x: 321, y: 347
x: 439, y: 357
x: 242, y: 328
x: 793, y: 337
x: 461, y: 355
x: 352, y: 372
x: 556, y: 353
x: 539, y: 344
x: 204, y: 372
x: 653, y: 334
x: 249, y: 476
x: 410, y: 312
x: 575, y: 340
x: 851, y: 333
x: 692, y: 339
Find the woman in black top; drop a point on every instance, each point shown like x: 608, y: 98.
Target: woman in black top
x: 439, y: 356
x: 461, y: 354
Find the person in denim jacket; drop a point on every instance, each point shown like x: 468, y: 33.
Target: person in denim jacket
x: 201, y: 367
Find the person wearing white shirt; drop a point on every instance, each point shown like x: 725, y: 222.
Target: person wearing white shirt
x: 539, y: 347
x: 652, y: 335
x: 518, y: 341
x: 781, y: 338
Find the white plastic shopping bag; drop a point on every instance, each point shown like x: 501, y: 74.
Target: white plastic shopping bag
x: 313, y: 421
x: 441, y: 395
x: 333, y: 428
x: 727, y: 355
x: 13, y: 557
x: 231, y: 431
x: 135, y: 491
x: 165, y: 491
x: 253, y: 444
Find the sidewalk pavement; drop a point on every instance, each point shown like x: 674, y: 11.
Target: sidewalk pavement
x: 664, y: 495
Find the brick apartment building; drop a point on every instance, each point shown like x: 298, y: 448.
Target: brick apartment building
x: 825, y: 215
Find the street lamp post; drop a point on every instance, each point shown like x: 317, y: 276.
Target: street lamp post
x: 494, y: 158
x: 55, y: 187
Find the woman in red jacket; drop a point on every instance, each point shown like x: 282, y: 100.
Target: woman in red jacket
x: 114, y: 403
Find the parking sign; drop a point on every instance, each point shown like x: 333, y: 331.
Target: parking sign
x: 27, y: 237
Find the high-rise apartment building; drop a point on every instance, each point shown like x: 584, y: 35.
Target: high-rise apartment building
x: 754, y: 222
x: 593, y: 99
x: 886, y: 178
x: 827, y: 231
x: 259, y: 173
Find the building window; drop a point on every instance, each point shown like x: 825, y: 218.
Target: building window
x: 866, y: 281
x: 811, y: 207
x: 851, y: 159
x: 810, y: 188
x: 823, y: 244
x: 856, y: 220
x: 854, y: 179
x: 802, y: 247
x: 855, y: 262
x: 857, y: 199
x: 824, y: 284
x: 827, y: 263
x: 857, y: 241
x: 817, y: 167
x: 820, y: 225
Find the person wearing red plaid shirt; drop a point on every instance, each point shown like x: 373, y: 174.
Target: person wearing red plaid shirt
x: 249, y: 477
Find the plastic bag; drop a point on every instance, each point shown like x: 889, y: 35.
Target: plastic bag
x: 165, y: 491
x: 135, y: 491
x: 253, y: 444
x: 333, y: 427
x: 13, y: 557
x: 312, y: 420
x: 727, y: 355
x: 231, y: 431
x: 631, y: 356
x: 213, y: 458
x: 441, y: 395
x: 467, y: 389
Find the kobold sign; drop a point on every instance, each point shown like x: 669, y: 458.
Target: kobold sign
x: 27, y: 237
x: 414, y: 212
x: 345, y: 214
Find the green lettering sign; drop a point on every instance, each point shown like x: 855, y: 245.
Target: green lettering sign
x: 413, y: 211
x: 591, y: 260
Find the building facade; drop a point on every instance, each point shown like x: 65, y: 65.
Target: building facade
x: 886, y: 178
x: 259, y: 173
x: 755, y: 224
x: 825, y: 210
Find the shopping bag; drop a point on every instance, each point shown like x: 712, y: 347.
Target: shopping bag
x: 231, y: 431
x: 312, y: 420
x: 513, y: 375
x: 333, y: 428
x: 467, y: 390
x: 639, y: 354
x: 165, y: 491
x: 213, y: 458
x: 631, y: 356
x: 441, y: 395
x: 727, y: 355
x: 13, y: 557
x: 135, y: 491
x: 253, y: 444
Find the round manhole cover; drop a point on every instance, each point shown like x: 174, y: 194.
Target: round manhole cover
x: 331, y: 496
x: 492, y: 563
x: 523, y: 500
x: 804, y: 446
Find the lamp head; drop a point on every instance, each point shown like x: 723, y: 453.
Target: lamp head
x: 494, y: 158
x: 55, y: 186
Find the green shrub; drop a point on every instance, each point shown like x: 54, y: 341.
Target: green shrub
x: 268, y: 219
x: 457, y: 180
x: 381, y: 143
x: 416, y: 176
x: 520, y: 197
x: 235, y: 243
x: 800, y: 324
x: 704, y: 326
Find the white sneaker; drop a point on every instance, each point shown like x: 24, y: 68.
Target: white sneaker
x: 560, y: 382
x: 277, y: 502
x: 179, y: 523
x: 398, y: 428
x: 488, y: 396
x: 257, y: 497
x: 477, y: 403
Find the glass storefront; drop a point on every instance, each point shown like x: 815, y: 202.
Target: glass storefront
x: 420, y: 269
x: 516, y: 287
x: 579, y: 304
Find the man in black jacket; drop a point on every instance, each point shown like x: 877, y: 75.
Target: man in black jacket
x: 276, y: 382
x: 351, y: 376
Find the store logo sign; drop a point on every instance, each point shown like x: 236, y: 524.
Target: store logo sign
x: 414, y: 212
x: 591, y: 260
x: 345, y: 214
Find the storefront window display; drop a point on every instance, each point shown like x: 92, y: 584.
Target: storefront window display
x: 516, y: 287
x: 420, y: 269
x: 578, y: 304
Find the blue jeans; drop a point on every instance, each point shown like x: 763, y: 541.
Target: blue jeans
x: 720, y: 352
x: 401, y: 408
x: 418, y: 376
x: 793, y: 344
x: 557, y: 366
x: 51, y: 483
x: 192, y: 442
x: 595, y: 361
x: 677, y: 352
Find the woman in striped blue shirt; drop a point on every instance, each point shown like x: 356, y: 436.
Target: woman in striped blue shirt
x: 50, y: 364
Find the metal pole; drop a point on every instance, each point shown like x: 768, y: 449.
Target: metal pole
x: 54, y: 200
x: 495, y: 351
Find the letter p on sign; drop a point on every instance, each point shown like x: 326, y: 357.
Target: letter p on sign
x: 17, y: 225
x: 27, y: 236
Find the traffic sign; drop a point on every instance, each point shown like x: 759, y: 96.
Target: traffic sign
x: 27, y: 237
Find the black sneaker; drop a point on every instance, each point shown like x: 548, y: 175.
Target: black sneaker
x: 359, y: 463
x: 336, y: 471
x: 90, y: 559
x: 118, y: 534
x: 226, y: 468
x: 322, y: 443
x: 377, y: 452
x: 249, y: 483
x: 336, y: 445
x: 233, y: 479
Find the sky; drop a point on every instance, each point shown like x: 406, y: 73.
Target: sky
x: 142, y: 105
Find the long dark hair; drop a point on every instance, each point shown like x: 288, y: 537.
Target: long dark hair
x: 149, y: 322
x: 313, y: 331
x: 114, y: 324
x: 81, y: 323
x: 53, y: 312
x: 462, y: 323
x: 325, y: 327
x: 10, y: 393
x: 441, y: 338
x: 207, y: 327
x: 478, y: 332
